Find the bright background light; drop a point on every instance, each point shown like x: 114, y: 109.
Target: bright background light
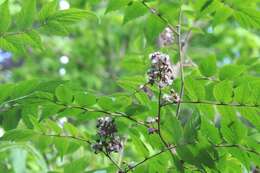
x: 64, y: 5
x: 64, y: 59
x: 62, y: 71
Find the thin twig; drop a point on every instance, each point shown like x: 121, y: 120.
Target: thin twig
x: 159, y: 118
x: 121, y: 154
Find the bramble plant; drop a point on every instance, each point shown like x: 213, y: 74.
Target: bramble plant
x: 181, y: 83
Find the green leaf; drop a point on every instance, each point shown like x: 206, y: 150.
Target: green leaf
x: 242, y: 94
x: 139, y: 145
x: 106, y: 103
x: 116, y: 4
x: 27, y: 15
x: 6, y: 91
x: 153, y: 27
x: 50, y: 109
x: 222, y: 14
x: 223, y: 91
x: 195, y: 89
x: 10, y: 118
x: 255, y: 92
x: 230, y: 71
x: 51, y: 125
x: 63, y: 94
x: 48, y: 10
x: 208, y: 66
x: 232, y: 129
x: 19, y: 135
x: 209, y: 130
x: 70, y: 16
x: 252, y: 115
x: 71, y: 129
x: 172, y: 129
x: 208, y: 7
x: 84, y: 99
x: 135, y: 109
x: 62, y: 145
x: 206, y: 4
x: 5, y: 17
x: 23, y: 40
x: 55, y: 28
x: 133, y: 11
x: 247, y: 17
x: 76, y: 166
x: 36, y: 38
x: 191, y: 128
x: 6, y: 45
x: 4, y: 146
x: 29, y: 111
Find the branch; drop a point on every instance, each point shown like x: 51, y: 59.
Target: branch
x: 116, y: 114
x: 181, y: 64
x: 240, y: 147
x: 148, y: 158
x: 155, y: 12
x: 215, y: 103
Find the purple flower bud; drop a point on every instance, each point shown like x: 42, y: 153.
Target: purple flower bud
x: 151, y: 130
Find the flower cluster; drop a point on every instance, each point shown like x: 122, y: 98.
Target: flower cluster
x: 161, y: 71
x: 107, y: 140
x: 166, y: 37
x: 173, y: 97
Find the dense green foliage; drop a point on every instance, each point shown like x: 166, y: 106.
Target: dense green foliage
x: 90, y: 88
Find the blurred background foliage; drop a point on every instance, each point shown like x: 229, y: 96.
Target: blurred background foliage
x: 101, y: 55
x: 95, y: 51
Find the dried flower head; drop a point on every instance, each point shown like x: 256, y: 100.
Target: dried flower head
x: 166, y: 37
x: 107, y: 140
x: 161, y: 71
x: 106, y: 126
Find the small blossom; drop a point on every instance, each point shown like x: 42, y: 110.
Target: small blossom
x: 150, y: 120
x: 166, y: 38
x: 152, y: 130
x: 173, y: 97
